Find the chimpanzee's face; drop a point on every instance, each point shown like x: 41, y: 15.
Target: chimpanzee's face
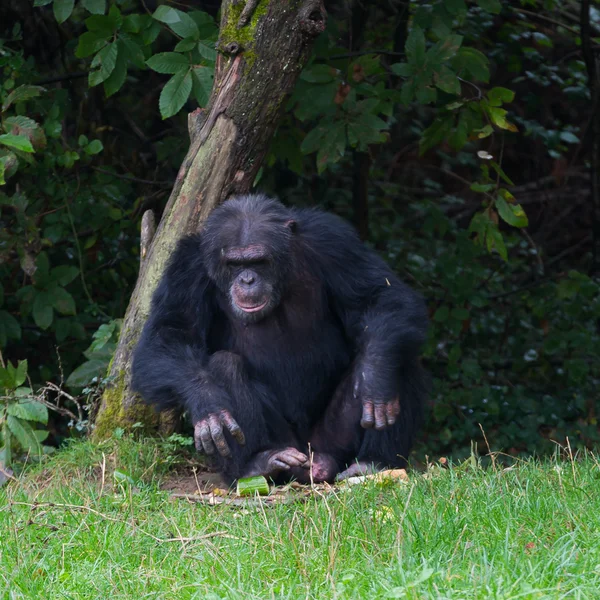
x: 252, y: 282
x: 248, y: 253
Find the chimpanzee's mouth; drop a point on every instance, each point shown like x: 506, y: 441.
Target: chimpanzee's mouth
x: 253, y: 307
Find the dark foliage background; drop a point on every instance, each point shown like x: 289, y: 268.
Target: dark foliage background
x: 459, y: 137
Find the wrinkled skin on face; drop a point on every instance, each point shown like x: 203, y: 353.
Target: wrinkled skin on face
x: 252, y: 293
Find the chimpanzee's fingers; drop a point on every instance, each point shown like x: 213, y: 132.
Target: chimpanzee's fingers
x: 380, y: 417
x: 294, y: 457
x: 280, y: 464
x: 234, y: 429
x: 203, y: 438
x: 368, y: 418
x: 216, y: 431
x: 396, y: 406
x: 391, y: 412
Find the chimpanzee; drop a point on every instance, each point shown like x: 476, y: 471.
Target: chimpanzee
x: 293, y: 347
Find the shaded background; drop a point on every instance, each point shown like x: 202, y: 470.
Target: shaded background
x: 514, y: 345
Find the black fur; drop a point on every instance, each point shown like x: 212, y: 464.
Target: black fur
x: 286, y: 378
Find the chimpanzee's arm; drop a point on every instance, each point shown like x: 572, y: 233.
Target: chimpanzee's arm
x: 170, y: 361
x: 384, y: 319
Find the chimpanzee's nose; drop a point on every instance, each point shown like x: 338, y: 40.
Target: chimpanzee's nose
x: 247, y: 278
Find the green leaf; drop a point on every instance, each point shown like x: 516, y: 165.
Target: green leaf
x: 63, y: 9
x: 491, y: 6
x: 568, y: 137
x: 42, y: 2
x: 498, y: 117
x: 333, y: 147
x: 447, y: 81
x: 84, y: 373
x: 446, y: 48
x: 498, y: 95
x: 105, y: 25
x: 318, y: 74
x: 313, y: 139
x: 18, y: 142
x: 42, y: 266
x: 62, y: 301
x: 11, y: 330
x: 21, y: 374
x: 473, y: 62
x: 132, y: 51
x: 9, y: 163
x: 24, y: 434
x: 185, y: 45
x: 455, y: 7
x: 415, y: 46
x: 495, y: 240
x: 1, y: 294
x: 202, y: 83
x: 365, y: 129
x: 89, y: 43
x: 513, y: 214
x: 29, y: 409
x: 42, y: 310
x: 441, y: 314
x: 207, y: 52
x: 175, y: 94
x: 134, y: 23
x: 104, y: 62
x: 482, y: 188
x: 426, y: 94
x: 151, y: 32
x: 402, y: 69
x: 500, y: 172
x: 95, y: 146
x: 96, y: 7
x: 460, y: 314
x: 435, y: 133
x: 168, y: 62
x: 21, y: 125
x: 115, y: 80
x: 179, y: 22
x: 22, y: 93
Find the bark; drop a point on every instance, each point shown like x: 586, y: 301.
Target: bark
x: 263, y: 46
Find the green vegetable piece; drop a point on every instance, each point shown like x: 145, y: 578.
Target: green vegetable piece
x: 248, y: 486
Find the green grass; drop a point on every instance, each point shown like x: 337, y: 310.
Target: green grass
x: 532, y: 531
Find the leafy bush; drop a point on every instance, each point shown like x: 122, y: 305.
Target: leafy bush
x: 20, y: 412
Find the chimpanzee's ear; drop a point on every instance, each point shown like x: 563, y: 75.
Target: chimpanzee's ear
x: 292, y: 225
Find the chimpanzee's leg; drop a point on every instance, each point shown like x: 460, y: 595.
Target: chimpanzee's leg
x: 269, y: 447
x: 340, y: 442
x: 391, y: 447
x: 336, y: 438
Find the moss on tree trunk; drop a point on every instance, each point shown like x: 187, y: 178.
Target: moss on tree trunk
x: 263, y: 46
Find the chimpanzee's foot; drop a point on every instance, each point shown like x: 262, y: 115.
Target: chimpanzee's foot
x: 271, y: 462
x: 323, y: 467
x: 359, y: 468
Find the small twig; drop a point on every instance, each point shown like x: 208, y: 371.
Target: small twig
x: 247, y: 12
x: 536, y: 15
x: 63, y: 77
x: 79, y: 253
x: 134, y: 179
x: 366, y: 53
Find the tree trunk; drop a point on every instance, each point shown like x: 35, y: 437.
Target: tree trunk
x: 263, y: 46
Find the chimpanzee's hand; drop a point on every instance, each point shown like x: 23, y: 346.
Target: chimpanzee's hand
x: 380, y: 407
x: 209, y: 432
